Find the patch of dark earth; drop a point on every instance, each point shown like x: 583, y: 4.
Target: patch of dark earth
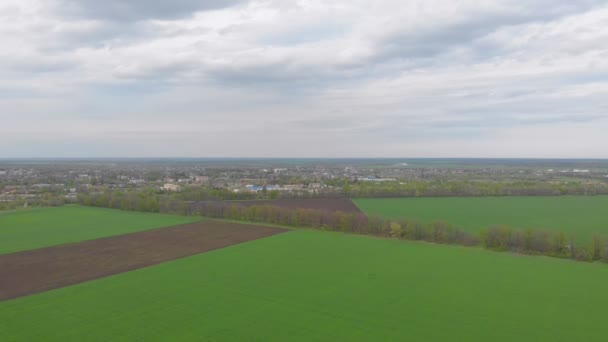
x: 34, y: 271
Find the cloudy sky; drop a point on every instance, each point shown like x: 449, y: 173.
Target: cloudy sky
x: 310, y: 78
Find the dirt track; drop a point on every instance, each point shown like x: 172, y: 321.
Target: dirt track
x: 328, y: 204
x: 39, y: 270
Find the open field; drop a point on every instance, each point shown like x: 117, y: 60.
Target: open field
x: 580, y: 216
x: 39, y: 270
x: 43, y: 227
x: 319, y: 286
x: 329, y: 204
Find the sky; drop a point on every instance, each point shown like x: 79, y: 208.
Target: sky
x: 309, y: 78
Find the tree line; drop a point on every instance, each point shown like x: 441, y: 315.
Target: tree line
x: 456, y: 188
x: 42, y: 200
x: 498, y: 238
x: 360, y: 189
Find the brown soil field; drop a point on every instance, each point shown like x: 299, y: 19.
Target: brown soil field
x: 29, y: 272
x: 328, y: 204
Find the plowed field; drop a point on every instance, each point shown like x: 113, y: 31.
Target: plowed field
x: 39, y: 270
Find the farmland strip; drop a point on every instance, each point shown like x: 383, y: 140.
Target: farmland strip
x: 30, y: 272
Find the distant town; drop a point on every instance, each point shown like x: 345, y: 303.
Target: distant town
x: 29, y: 182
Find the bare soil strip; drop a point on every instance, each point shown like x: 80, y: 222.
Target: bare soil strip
x: 29, y: 272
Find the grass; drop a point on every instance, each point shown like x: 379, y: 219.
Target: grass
x: 42, y: 227
x: 580, y: 216
x: 319, y: 286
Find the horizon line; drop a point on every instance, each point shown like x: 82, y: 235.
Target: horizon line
x: 310, y: 158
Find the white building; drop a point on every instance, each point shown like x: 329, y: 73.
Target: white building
x: 171, y: 187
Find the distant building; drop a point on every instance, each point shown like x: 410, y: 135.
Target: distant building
x: 314, y: 186
x: 172, y: 187
x: 254, y: 188
x: 374, y: 179
x: 274, y: 187
x: 71, y: 197
x: 201, y: 179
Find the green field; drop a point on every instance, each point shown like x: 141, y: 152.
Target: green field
x: 581, y: 216
x: 321, y: 286
x: 36, y: 228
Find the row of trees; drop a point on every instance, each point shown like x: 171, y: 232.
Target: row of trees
x: 42, y: 200
x: 437, y: 188
x: 357, y: 223
x: 415, y: 188
x: 11, y: 205
x: 498, y: 238
x: 544, y: 242
x: 144, y: 200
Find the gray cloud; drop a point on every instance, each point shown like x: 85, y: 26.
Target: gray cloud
x: 134, y: 10
x: 314, y: 78
x: 429, y: 39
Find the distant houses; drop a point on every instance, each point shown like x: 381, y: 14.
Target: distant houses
x: 171, y: 187
x: 274, y: 187
x: 374, y: 179
x: 201, y: 179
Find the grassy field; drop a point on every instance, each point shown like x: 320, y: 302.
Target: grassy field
x: 577, y: 215
x: 42, y: 227
x: 321, y: 286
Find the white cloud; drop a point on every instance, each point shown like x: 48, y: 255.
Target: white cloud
x: 340, y: 78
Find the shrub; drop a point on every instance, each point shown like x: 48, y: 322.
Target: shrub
x: 396, y: 230
x: 497, y: 238
x: 580, y: 254
x: 595, y: 248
